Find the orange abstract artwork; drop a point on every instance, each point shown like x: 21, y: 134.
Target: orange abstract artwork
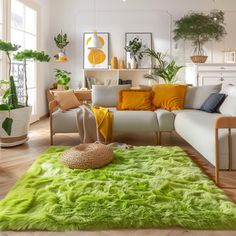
x: 96, y: 57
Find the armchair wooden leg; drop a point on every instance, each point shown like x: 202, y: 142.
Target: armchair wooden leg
x: 51, y: 132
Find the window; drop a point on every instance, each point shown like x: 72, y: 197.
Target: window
x: 24, y: 33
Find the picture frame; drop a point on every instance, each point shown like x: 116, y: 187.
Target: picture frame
x: 96, y: 58
x: 146, y: 37
x: 230, y: 56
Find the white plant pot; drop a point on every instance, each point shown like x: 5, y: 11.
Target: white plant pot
x: 133, y: 64
x: 20, y: 127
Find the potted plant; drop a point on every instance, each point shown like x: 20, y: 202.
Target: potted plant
x: 15, y: 117
x: 61, y: 42
x: 200, y: 28
x: 62, y: 78
x: 164, y: 69
x: 134, y: 48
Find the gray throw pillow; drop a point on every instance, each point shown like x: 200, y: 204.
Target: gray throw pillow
x: 196, y: 96
x: 107, y: 96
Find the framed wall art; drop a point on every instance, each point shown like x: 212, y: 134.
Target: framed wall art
x: 97, y: 58
x: 146, y: 40
x: 230, y: 56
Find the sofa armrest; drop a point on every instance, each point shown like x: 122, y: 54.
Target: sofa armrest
x: 53, y: 106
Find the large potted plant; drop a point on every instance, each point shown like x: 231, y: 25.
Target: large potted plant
x: 134, y: 48
x: 200, y: 28
x: 167, y: 70
x: 15, y: 116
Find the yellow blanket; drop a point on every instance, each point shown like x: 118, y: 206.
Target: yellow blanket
x: 104, y: 121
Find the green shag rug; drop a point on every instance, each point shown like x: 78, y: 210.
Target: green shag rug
x: 144, y: 187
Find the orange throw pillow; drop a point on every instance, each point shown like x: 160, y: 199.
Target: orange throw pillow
x: 66, y: 100
x: 135, y: 99
x: 169, y: 96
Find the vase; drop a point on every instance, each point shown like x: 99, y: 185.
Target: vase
x: 114, y: 63
x: 133, y: 64
x: 122, y: 65
x: 199, y: 55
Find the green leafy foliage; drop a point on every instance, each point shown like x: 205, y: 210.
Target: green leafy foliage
x: 30, y: 54
x: 63, y: 77
x: 8, y: 47
x: 135, y: 48
x: 166, y: 70
x: 12, y: 96
x: 61, y: 40
x: 200, y: 28
x: 7, y: 125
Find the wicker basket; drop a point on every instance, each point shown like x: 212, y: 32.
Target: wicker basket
x: 199, y: 59
x: 86, y: 156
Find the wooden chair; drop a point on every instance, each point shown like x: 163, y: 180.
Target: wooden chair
x: 227, y: 122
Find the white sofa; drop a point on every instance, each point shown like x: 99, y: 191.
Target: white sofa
x: 195, y: 126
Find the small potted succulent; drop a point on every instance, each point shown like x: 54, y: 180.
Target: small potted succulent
x: 62, y: 78
x: 200, y: 28
x: 61, y: 42
x: 135, y: 48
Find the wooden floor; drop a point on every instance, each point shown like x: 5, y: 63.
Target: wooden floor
x: 15, y: 161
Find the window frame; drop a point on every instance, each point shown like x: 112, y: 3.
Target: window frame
x: 7, y: 37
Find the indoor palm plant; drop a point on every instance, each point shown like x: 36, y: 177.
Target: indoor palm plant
x: 62, y: 79
x: 162, y: 68
x: 200, y: 28
x: 134, y: 48
x: 15, y: 117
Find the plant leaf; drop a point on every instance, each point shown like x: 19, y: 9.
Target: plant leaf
x: 4, y: 107
x: 7, y: 125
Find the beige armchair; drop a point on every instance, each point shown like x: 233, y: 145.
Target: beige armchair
x: 64, y: 122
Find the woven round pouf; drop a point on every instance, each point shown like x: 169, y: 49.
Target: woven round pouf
x: 86, y: 156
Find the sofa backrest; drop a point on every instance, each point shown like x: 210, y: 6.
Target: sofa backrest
x: 107, y: 96
x: 228, y: 107
x: 196, y: 96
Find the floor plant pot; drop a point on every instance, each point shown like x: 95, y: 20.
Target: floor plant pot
x: 199, y: 58
x: 20, y: 127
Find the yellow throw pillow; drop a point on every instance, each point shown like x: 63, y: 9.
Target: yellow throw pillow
x: 169, y: 96
x: 135, y: 99
x: 66, y: 100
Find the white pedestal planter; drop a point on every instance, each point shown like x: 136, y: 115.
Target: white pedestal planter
x: 20, y: 127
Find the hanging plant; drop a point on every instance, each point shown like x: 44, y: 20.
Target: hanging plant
x: 61, y: 42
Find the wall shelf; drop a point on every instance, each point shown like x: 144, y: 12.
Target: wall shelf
x: 112, y: 76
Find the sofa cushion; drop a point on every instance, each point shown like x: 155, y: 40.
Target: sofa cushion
x: 135, y: 99
x: 169, y: 96
x: 65, y: 122
x: 107, y: 96
x: 213, y: 102
x: 228, y: 107
x: 134, y: 121
x: 165, y: 120
x: 196, y: 96
x: 66, y: 99
x: 197, y: 128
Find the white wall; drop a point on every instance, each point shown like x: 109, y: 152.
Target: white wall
x: 43, y: 45
x: 116, y: 17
